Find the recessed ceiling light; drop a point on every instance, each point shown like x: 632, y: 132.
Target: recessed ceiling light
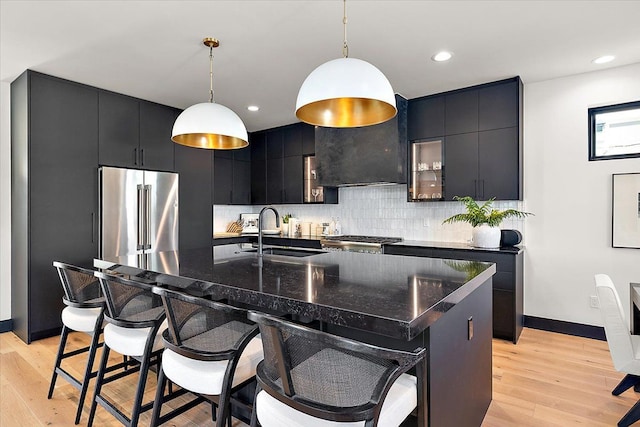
x: 442, y: 56
x: 253, y: 108
x: 604, y: 59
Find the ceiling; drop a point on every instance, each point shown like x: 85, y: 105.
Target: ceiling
x: 153, y: 49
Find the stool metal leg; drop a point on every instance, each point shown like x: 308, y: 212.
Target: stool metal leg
x: 142, y: 380
x: 99, y: 379
x: 63, y: 342
x: 88, y: 370
x: 157, y: 404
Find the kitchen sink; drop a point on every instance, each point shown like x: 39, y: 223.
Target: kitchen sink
x: 288, y: 252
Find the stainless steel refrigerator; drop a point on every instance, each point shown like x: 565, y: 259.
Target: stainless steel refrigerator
x: 139, y: 216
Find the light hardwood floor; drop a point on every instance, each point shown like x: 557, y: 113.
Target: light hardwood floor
x: 547, y: 379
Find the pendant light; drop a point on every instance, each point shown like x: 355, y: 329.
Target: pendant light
x: 346, y: 92
x: 210, y: 125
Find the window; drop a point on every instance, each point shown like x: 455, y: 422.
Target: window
x: 614, y: 131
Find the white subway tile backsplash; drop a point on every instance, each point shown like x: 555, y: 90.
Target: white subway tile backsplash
x: 379, y: 211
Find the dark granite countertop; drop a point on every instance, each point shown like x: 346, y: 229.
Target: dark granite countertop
x: 396, y: 296
x: 455, y: 246
x: 315, y: 241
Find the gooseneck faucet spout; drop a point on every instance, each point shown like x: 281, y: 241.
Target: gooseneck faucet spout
x: 260, y: 224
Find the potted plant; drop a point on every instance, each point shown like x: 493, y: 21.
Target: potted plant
x: 485, y: 220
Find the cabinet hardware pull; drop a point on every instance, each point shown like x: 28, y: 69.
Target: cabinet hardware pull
x: 142, y: 156
x: 135, y: 156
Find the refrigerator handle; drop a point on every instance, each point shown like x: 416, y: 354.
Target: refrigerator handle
x: 147, y: 217
x: 141, y: 222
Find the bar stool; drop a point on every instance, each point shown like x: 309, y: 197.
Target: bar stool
x: 211, y: 350
x: 84, y: 312
x: 135, y: 321
x: 311, y: 378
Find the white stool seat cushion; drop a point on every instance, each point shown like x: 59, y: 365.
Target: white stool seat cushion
x: 206, y: 377
x: 399, y: 403
x: 131, y: 341
x: 80, y: 319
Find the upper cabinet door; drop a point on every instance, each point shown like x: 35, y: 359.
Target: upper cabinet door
x: 156, y: 147
x: 258, y: 167
x: 292, y: 140
x: 308, y: 139
x: 425, y: 118
x: 498, y: 106
x: 118, y: 130
x: 461, y: 112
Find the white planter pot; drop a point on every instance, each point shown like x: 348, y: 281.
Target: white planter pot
x: 284, y: 228
x: 486, y: 237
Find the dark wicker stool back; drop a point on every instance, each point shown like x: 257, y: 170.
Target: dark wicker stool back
x: 324, y: 375
x: 208, y: 333
x: 79, y: 284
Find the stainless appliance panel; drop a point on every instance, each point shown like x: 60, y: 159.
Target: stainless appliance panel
x: 138, y: 212
x: 120, y: 198
x: 161, y: 204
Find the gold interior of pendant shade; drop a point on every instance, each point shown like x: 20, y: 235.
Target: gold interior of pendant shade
x: 346, y: 112
x: 210, y: 141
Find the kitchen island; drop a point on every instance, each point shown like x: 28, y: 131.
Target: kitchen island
x: 394, y: 301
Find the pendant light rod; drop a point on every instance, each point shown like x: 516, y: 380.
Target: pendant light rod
x: 345, y: 46
x: 211, y: 43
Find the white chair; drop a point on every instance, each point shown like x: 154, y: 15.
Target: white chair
x: 135, y: 321
x: 211, y: 350
x: 314, y: 379
x: 624, y: 347
x: 83, y: 313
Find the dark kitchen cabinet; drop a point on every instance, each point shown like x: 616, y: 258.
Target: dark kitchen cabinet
x: 293, y: 180
x: 54, y: 149
x: 508, y: 289
x: 461, y: 112
x: 196, y: 208
x: 482, y: 131
x: 425, y: 118
x: 241, y: 192
x: 258, y: 144
x: 232, y: 177
x: 135, y: 134
x: 156, y: 146
x: 461, y: 165
x: 274, y: 165
x: 222, y: 179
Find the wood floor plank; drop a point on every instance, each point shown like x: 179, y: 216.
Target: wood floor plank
x: 547, y: 379
x: 13, y: 410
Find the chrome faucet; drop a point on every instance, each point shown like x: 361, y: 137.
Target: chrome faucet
x: 260, y: 222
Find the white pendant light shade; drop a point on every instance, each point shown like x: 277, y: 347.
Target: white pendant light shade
x: 346, y: 92
x: 210, y: 125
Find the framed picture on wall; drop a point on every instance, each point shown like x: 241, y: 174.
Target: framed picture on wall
x: 626, y: 210
x: 614, y: 131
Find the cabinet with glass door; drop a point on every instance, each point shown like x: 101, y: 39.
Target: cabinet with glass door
x: 426, y: 182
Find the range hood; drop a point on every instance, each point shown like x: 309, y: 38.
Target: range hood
x: 371, y: 155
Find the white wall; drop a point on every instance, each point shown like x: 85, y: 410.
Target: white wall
x: 569, y: 239
x: 5, y: 202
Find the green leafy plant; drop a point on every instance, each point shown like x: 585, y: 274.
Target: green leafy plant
x: 285, y: 218
x: 471, y: 268
x: 483, y: 214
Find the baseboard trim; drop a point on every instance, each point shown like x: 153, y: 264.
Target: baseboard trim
x: 6, y: 325
x: 568, y: 328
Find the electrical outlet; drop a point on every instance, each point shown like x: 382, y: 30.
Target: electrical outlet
x: 594, y: 302
x: 425, y: 222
